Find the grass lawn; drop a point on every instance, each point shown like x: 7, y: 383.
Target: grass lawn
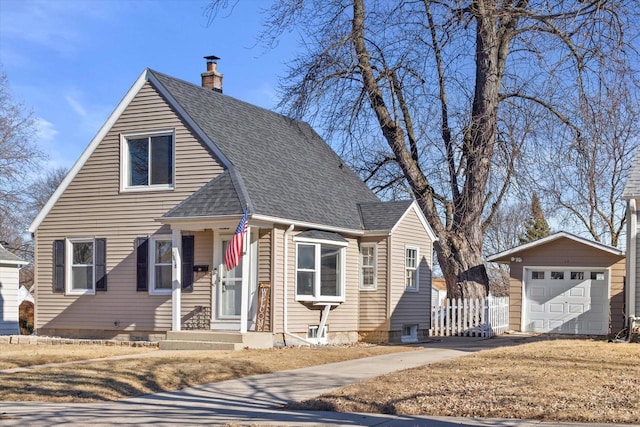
x: 152, y: 372
x: 552, y: 380
x: 15, y: 356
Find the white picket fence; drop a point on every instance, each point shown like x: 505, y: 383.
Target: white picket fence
x: 470, y: 317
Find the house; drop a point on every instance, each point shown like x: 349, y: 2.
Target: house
x: 631, y: 195
x: 438, y: 291
x: 131, y: 244
x: 565, y: 284
x: 9, y: 285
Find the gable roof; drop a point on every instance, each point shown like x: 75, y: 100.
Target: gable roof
x: 382, y: 216
x: 552, y: 237
x: 287, y: 170
x: 632, y: 187
x: 278, y: 168
x: 218, y: 197
x: 7, y: 257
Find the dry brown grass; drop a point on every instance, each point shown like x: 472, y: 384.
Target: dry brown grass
x: 15, y: 356
x: 559, y: 380
x: 163, y: 371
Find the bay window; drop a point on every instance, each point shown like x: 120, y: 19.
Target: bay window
x: 320, y: 271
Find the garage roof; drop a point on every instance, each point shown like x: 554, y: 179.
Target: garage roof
x: 499, y: 257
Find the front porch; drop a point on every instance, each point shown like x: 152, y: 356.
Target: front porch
x: 213, y: 307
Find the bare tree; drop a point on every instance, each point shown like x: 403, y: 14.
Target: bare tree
x: 18, y: 155
x: 43, y: 187
x: 583, y: 179
x: 436, y: 80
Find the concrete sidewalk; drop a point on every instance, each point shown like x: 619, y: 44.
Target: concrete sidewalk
x: 258, y: 400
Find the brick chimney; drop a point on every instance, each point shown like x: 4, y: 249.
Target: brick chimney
x: 212, y: 79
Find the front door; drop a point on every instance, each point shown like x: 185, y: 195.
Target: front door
x: 229, y: 289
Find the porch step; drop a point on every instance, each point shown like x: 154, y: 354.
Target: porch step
x: 215, y: 340
x: 197, y: 345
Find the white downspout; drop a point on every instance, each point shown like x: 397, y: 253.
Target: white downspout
x: 285, y: 291
x: 631, y: 263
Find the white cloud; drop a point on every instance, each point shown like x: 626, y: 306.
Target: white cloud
x: 45, y: 131
x: 76, y: 106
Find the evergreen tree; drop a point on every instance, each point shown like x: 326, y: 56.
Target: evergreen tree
x: 536, y: 226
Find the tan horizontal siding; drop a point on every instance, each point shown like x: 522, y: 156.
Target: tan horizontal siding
x: 564, y: 253
x: 373, y: 303
x: 409, y: 307
x: 264, y: 267
x: 344, y: 318
x: 201, y: 293
x: 277, y: 289
x: 93, y: 206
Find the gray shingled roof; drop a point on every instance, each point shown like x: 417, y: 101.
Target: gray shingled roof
x: 382, y: 215
x: 7, y: 256
x: 218, y: 197
x: 632, y: 187
x: 287, y: 170
x: 322, y: 235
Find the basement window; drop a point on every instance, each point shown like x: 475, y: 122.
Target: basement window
x: 313, y: 332
x: 409, y: 333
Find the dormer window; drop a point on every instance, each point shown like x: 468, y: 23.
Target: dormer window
x: 148, y: 161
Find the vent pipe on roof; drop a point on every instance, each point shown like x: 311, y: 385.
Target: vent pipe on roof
x: 212, y: 79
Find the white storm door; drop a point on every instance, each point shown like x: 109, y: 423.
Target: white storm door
x: 230, y: 288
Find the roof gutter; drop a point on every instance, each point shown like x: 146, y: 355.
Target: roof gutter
x: 303, y: 224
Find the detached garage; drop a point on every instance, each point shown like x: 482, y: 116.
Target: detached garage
x: 565, y: 284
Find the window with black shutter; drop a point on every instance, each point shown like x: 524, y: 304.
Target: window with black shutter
x: 142, y: 270
x: 187, y: 262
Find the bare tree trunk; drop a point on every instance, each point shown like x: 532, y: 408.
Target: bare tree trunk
x: 402, y: 68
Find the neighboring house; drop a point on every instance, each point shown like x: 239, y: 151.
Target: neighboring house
x: 438, y: 291
x: 565, y: 284
x: 131, y: 244
x: 9, y: 284
x: 631, y: 195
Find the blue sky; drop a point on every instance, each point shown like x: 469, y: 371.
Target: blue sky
x: 72, y: 61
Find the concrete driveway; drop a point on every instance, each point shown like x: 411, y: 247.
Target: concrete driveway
x: 258, y: 400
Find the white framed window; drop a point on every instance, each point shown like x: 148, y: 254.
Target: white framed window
x: 80, y: 274
x: 409, y: 333
x: 320, y: 274
x: 537, y: 275
x: 160, y: 268
x: 368, y: 266
x: 314, y: 333
x: 148, y: 161
x: 411, y: 262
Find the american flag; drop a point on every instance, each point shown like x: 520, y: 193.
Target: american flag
x: 233, y: 253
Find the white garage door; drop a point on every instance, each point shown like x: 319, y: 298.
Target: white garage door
x: 572, y: 301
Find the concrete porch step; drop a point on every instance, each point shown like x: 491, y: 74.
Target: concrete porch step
x: 215, y: 340
x: 197, y: 345
x: 200, y: 335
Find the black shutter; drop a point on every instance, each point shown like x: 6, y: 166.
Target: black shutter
x: 187, y: 262
x: 101, y: 264
x: 58, y: 266
x: 142, y: 271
